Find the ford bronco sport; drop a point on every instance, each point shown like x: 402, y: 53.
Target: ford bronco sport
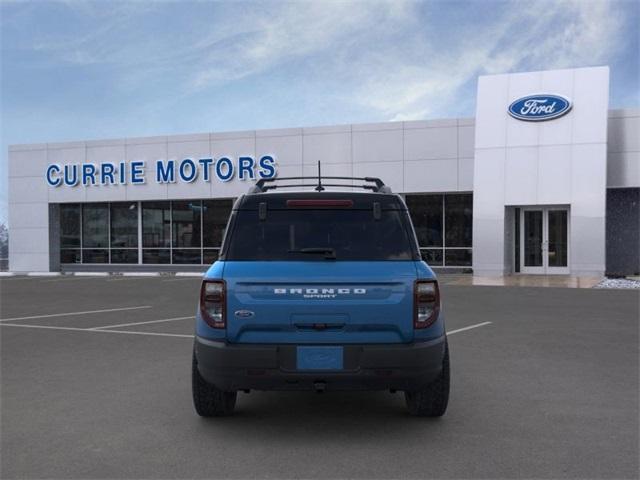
x: 320, y: 290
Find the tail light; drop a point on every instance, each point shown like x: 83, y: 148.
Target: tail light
x: 212, y: 303
x: 426, y: 303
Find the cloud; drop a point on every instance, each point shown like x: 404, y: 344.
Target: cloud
x: 393, y: 58
x: 293, y: 31
x: 535, y: 37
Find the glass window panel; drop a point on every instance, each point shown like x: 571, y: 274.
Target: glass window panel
x: 124, y: 225
x: 426, y: 215
x: 129, y: 255
x: 69, y: 225
x: 532, y: 238
x: 458, y: 220
x: 558, y: 238
x: 156, y: 255
x: 95, y: 225
x: 433, y: 256
x: 186, y: 255
x: 186, y: 224
x: 95, y: 256
x: 156, y: 225
x: 457, y: 257
x: 210, y: 255
x: 215, y: 214
x: 517, y: 242
x: 70, y: 256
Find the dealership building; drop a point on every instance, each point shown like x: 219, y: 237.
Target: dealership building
x: 544, y: 180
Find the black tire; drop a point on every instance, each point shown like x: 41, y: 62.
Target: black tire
x: 432, y: 400
x: 208, y: 400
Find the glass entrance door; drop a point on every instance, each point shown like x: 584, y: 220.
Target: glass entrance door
x: 533, y: 241
x: 544, y: 240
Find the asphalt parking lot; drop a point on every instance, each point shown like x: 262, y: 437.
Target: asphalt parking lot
x: 96, y: 384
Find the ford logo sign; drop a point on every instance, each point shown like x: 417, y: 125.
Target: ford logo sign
x: 243, y: 313
x: 536, y: 108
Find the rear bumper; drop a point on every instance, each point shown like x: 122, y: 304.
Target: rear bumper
x: 233, y: 367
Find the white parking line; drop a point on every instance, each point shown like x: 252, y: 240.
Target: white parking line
x: 142, y: 323
x: 159, y: 334
x: 19, y: 278
x: 122, y: 278
x: 69, y: 278
x: 180, y: 279
x: 74, y: 313
x: 75, y: 329
x: 468, y: 328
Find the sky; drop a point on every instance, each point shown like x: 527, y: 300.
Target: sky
x: 74, y: 70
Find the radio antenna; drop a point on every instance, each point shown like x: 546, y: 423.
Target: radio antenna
x: 319, y: 188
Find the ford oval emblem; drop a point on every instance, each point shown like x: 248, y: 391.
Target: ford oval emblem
x: 244, y: 313
x: 536, y: 108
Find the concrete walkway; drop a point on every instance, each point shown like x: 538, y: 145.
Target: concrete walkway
x: 556, y: 281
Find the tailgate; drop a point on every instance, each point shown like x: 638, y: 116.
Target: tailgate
x: 328, y: 302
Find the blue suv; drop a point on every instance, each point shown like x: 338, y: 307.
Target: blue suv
x: 320, y: 290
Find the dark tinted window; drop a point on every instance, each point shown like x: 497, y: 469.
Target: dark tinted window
x: 460, y: 257
x: 69, y: 226
x: 124, y: 225
x: 186, y: 224
x: 95, y: 226
x: 433, y: 256
x: 215, y: 214
x: 426, y: 214
x: 458, y: 214
x: 352, y: 234
x: 156, y: 224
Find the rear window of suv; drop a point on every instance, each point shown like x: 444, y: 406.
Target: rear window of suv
x: 308, y: 234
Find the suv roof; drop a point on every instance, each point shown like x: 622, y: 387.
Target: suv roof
x: 370, y: 183
x: 361, y: 200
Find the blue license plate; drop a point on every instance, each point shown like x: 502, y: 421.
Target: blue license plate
x: 320, y: 358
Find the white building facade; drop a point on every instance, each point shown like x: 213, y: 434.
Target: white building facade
x: 544, y: 180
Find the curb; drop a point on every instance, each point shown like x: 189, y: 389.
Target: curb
x: 104, y: 274
x: 140, y: 274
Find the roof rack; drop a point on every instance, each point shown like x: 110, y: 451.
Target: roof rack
x: 377, y: 184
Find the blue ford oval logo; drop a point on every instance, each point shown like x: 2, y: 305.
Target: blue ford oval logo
x: 536, y: 108
x: 244, y: 313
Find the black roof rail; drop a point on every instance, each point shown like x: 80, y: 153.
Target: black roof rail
x: 378, y: 185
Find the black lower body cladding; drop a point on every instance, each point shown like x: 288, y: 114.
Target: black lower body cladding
x: 232, y: 367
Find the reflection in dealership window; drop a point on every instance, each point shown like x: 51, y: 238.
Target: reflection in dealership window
x: 458, y: 220
x: 186, y: 224
x: 156, y: 232
x: 70, y: 233
x: 95, y: 233
x: 124, y: 232
x: 124, y: 225
x: 186, y: 228
x: 156, y: 224
x: 215, y: 214
x: 172, y: 232
x: 95, y: 225
x: 444, y: 227
x: 426, y: 215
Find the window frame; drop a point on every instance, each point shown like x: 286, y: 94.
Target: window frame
x: 444, y: 248
x: 140, y: 249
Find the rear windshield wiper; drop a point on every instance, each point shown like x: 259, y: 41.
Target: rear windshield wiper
x: 329, y: 252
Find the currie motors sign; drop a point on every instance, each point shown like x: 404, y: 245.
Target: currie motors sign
x: 187, y: 170
x: 536, y: 108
